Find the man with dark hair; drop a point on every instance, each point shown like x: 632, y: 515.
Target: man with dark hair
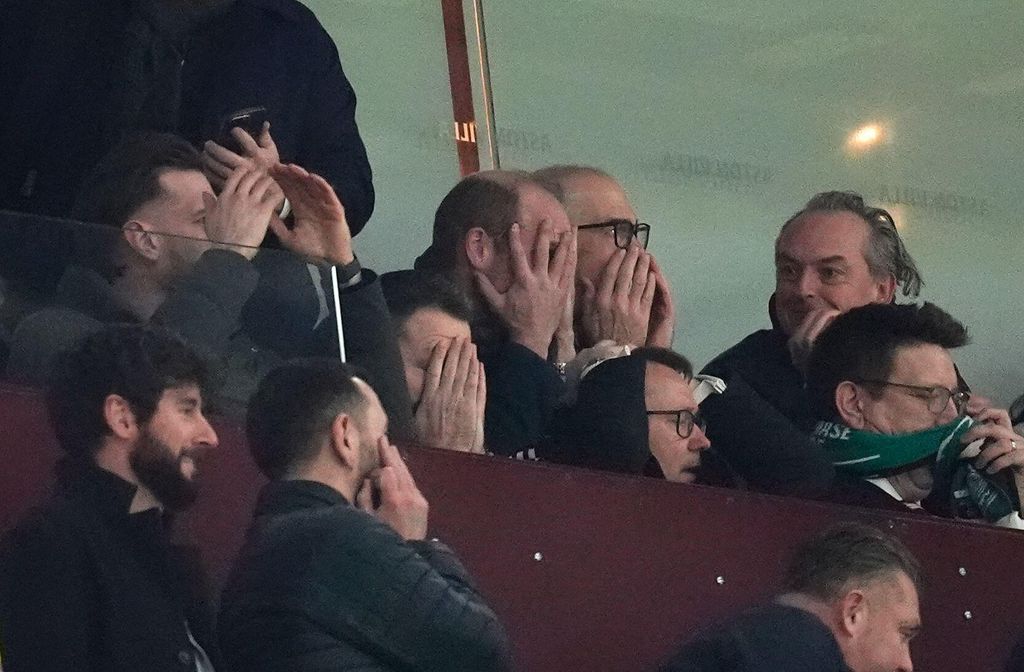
x: 90, y: 581
x: 835, y: 254
x: 336, y: 572
x: 635, y: 415
x: 621, y: 293
x: 170, y: 253
x: 850, y: 604
x: 446, y: 380
x: 894, y: 418
x: 505, y: 242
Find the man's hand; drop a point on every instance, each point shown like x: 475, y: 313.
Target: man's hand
x: 662, y: 327
x: 619, y: 308
x: 451, y: 409
x: 1003, y: 448
x: 237, y: 220
x: 534, y: 303
x: 321, y: 231
x: 259, y: 153
x: 402, y: 506
x: 801, y: 342
x: 565, y: 334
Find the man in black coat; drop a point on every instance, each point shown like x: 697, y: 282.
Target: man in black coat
x: 835, y: 254
x: 90, y: 581
x: 336, y: 572
x: 850, y: 604
x: 168, y: 252
x: 505, y: 242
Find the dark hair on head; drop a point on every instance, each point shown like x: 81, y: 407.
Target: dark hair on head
x: 124, y: 180
x: 408, y: 291
x: 553, y: 178
x: 489, y: 200
x: 293, y: 408
x: 885, y: 254
x: 667, y: 357
x: 135, y: 362
x: 862, y: 343
x: 845, y: 556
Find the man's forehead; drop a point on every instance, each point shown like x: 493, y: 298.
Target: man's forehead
x: 923, y: 364
x: 597, y: 198
x: 664, y: 386
x: 820, y: 235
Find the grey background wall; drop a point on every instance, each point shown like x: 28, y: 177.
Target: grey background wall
x: 721, y: 118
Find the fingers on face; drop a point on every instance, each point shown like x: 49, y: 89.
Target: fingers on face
x: 495, y: 298
x: 624, y: 279
x: 517, y: 254
x: 542, y: 248
x: 647, y: 298
x: 641, y: 277
x: 611, y: 273
x: 245, y: 141
x: 364, y: 498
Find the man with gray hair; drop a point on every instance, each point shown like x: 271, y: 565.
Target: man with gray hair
x: 850, y: 604
x: 835, y: 254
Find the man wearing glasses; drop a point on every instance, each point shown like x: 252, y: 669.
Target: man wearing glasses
x: 898, y: 429
x: 621, y: 293
x: 634, y: 415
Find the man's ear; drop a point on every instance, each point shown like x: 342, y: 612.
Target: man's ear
x: 344, y: 441
x: 120, y: 418
x: 886, y: 289
x: 853, y: 614
x: 142, y: 238
x: 849, y: 402
x: 479, y: 248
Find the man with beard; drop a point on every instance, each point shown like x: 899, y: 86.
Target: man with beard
x: 336, y: 572
x: 90, y: 581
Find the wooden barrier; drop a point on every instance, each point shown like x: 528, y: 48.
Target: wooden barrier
x: 593, y: 571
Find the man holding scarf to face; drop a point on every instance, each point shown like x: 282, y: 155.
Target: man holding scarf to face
x: 895, y: 422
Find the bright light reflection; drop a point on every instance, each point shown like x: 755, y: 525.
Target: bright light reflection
x: 865, y: 137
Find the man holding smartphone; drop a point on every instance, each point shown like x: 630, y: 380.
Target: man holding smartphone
x: 336, y: 571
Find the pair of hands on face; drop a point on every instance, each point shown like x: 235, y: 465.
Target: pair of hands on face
x: 632, y: 303
x: 451, y: 409
x: 538, y: 299
x: 401, y: 505
x: 252, y: 188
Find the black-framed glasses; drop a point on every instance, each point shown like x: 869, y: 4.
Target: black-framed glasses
x: 685, y: 421
x: 625, y: 231
x: 937, y: 396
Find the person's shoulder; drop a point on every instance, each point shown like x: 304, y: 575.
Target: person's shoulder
x: 754, y: 347
x: 292, y: 10
x: 52, y: 527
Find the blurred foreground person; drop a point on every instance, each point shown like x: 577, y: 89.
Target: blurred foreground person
x: 850, y: 604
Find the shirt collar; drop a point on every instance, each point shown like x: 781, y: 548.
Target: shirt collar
x: 287, y: 496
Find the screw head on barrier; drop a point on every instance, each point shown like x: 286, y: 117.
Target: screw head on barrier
x: 538, y: 556
x: 968, y: 615
x: 962, y: 571
x: 720, y: 580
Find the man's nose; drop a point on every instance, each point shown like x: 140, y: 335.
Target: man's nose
x: 699, y: 440
x: 207, y: 435
x: 808, y: 283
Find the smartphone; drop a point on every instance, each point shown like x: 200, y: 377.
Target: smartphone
x: 249, y: 120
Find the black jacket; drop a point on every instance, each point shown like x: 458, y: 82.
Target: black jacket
x: 322, y: 586
x: 762, y: 423
x: 772, y: 638
x: 63, y: 79
x: 85, y: 586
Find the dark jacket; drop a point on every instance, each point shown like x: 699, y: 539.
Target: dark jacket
x: 762, y: 423
x: 206, y: 309
x: 772, y: 638
x: 84, y: 585
x: 64, y: 80
x: 606, y: 428
x: 322, y: 586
